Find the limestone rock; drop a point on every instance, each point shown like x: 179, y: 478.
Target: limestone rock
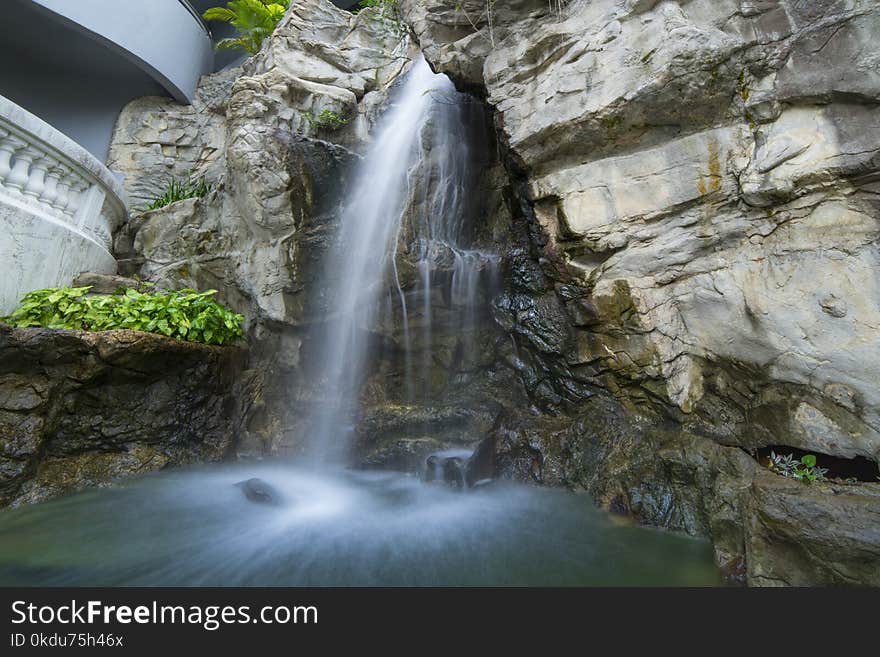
x: 695, y: 222
x: 716, y: 240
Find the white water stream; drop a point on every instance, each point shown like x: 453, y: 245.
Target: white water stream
x: 419, y: 166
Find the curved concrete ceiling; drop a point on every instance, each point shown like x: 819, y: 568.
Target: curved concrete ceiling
x: 164, y: 38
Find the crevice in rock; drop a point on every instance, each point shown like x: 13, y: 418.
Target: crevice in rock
x: 857, y: 469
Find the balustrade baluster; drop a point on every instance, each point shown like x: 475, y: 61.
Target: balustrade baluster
x: 77, y: 187
x: 37, y: 182
x: 21, y: 169
x: 63, y: 191
x: 53, y: 177
x: 7, y: 149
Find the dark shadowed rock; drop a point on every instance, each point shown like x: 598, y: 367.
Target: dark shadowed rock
x: 446, y: 469
x: 480, y: 467
x: 80, y: 409
x: 257, y: 490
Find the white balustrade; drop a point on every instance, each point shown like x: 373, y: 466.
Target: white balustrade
x: 59, y: 207
x: 47, y: 173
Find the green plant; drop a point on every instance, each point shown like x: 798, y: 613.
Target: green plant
x: 326, y: 120
x: 185, y: 314
x: 179, y: 190
x: 254, y: 19
x: 804, y: 470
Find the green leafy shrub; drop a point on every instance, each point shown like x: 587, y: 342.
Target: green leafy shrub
x: 804, y: 470
x: 254, y: 19
x: 180, y: 190
x: 326, y: 120
x: 185, y: 315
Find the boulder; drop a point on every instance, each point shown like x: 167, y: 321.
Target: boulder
x: 258, y: 491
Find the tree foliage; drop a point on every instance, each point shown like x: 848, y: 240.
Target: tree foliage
x: 254, y: 19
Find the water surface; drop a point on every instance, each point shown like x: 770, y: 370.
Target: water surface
x: 334, y: 528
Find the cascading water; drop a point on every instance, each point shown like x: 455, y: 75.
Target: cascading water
x: 443, y: 226
x: 419, y: 168
x: 358, y: 264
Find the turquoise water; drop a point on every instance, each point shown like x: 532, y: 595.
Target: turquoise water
x: 335, y: 528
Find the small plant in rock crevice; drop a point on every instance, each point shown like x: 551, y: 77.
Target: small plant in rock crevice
x: 327, y: 120
x: 184, y: 314
x: 180, y: 190
x: 804, y: 470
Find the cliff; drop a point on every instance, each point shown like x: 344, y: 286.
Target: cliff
x: 684, y: 199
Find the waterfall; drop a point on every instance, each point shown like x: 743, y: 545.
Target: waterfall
x: 443, y: 227
x: 414, y: 181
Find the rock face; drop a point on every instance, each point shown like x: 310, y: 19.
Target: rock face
x: 81, y: 409
x: 685, y: 200
x: 278, y: 176
x: 260, y: 237
x: 696, y: 248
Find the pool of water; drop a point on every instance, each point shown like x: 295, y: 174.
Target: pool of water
x: 335, y: 528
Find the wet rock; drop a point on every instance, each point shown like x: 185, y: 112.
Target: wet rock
x: 801, y: 534
x: 82, y: 409
x: 449, y: 470
x: 258, y: 491
x: 480, y: 467
x: 403, y: 436
x: 767, y: 530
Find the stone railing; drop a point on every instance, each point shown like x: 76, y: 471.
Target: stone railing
x: 58, y: 207
x: 49, y: 174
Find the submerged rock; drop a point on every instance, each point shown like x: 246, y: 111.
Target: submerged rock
x: 257, y: 490
x: 445, y: 469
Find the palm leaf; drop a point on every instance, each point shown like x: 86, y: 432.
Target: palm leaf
x: 219, y: 14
